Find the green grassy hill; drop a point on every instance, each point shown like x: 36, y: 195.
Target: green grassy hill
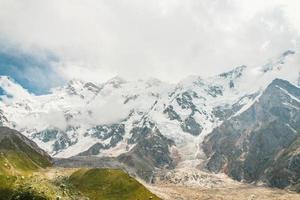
x: 19, y: 155
x: 23, y: 176
x: 19, y: 158
x: 109, y: 184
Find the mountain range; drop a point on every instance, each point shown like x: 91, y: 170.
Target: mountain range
x: 243, y: 122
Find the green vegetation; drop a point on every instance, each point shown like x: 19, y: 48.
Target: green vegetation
x: 18, y: 162
x: 6, y: 185
x: 34, y: 187
x: 18, y: 158
x: 109, y: 184
x: 23, y: 176
x: 92, y: 184
x: 16, y: 170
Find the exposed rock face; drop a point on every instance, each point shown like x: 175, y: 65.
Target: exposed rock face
x: 113, y: 134
x: 172, y: 115
x: 191, y: 126
x: 151, y: 124
x: 234, y: 74
x: 61, y: 139
x: 226, y: 111
x: 3, y: 119
x: 185, y: 101
x: 262, y: 143
x: 152, y: 150
x: 276, y: 63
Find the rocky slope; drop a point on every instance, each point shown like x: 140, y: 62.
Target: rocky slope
x: 262, y: 143
x: 20, y: 155
x: 230, y: 191
x: 19, y: 158
x: 146, y: 124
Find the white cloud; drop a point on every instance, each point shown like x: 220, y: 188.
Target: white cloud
x: 167, y: 39
x: 111, y: 110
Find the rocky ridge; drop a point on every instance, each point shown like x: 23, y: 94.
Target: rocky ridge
x: 146, y: 124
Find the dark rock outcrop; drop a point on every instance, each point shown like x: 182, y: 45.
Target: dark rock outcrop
x: 262, y: 143
x: 151, y: 151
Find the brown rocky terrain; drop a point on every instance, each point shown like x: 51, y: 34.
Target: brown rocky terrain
x: 188, y: 184
x: 241, y: 192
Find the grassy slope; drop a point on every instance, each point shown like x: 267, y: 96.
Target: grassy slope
x: 17, y: 161
x: 21, y: 177
x: 109, y: 184
x: 17, y: 158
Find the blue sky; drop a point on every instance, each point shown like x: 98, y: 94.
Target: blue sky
x: 33, y: 71
x: 166, y: 39
x: 96, y: 40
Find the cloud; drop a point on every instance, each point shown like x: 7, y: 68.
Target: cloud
x: 34, y: 70
x: 52, y: 118
x: 110, y: 110
x: 167, y: 39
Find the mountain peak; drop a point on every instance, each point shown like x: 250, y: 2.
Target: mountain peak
x: 153, y: 82
x: 285, y: 85
x: 276, y: 63
x: 7, y: 80
x: 288, y: 52
x: 234, y: 73
x: 12, y: 88
x: 190, y: 80
x: 277, y: 82
x: 74, y: 82
x: 116, y: 81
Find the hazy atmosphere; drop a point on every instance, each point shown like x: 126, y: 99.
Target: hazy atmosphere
x: 167, y: 39
x: 149, y: 99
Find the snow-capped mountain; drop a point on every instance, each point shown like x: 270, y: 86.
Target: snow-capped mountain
x: 262, y: 143
x: 159, y: 123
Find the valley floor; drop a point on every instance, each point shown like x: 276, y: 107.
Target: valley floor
x: 242, y: 192
x: 213, y: 187
x: 216, y: 187
x: 209, y: 187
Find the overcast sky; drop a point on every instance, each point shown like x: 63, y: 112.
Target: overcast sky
x: 167, y: 39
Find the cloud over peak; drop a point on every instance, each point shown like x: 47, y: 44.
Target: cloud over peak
x: 168, y: 39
